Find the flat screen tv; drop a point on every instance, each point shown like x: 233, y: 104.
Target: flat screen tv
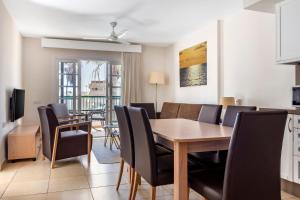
x: 17, y: 102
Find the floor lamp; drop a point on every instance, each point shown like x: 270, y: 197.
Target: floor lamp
x: 156, y: 78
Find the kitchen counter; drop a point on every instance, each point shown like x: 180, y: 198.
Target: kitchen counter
x: 293, y: 111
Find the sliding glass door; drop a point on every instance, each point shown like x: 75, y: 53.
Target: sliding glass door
x: 91, y: 86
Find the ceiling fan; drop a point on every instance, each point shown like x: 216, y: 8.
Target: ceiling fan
x: 113, y: 37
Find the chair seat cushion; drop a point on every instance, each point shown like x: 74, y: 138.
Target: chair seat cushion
x: 205, y: 157
x: 208, y: 183
x: 74, y: 133
x: 161, y: 150
x: 71, y: 144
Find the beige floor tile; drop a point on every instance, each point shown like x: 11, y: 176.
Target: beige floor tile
x: 285, y: 195
x: 32, y: 174
x: 106, y: 179
x: 26, y: 188
x: 71, y: 195
x: 2, y: 189
x: 27, y: 197
x: 67, y: 171
x: 69, y: 183
x: 13, y: 167
x: 110, y: 193
x: 6, y: 177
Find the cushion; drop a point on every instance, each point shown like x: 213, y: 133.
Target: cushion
x: 169, y: 110
x: 189, y: 111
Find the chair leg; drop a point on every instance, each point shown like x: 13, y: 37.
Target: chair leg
x: 89, y: 143
x: 120, y: 173
x: 153, y: 193
x: 135, y: 185
x: 54, y: 148
x: 131, y: 181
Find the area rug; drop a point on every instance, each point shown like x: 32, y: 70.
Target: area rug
x: 103, y: 154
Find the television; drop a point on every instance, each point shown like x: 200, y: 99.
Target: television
x: 17, y: 102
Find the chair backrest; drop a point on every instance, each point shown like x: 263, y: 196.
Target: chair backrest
x: 59, y: 109
x: 253, y: 162
x: 210, y: 114
x: 189, y: 111
x: 126, y: 135
x: 144, y: 145
x: 231, y: 113
x: 49, y: 123
x: 149, y: 107
x: 169, y: 110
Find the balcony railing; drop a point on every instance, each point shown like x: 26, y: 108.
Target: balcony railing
x: 87, y: 104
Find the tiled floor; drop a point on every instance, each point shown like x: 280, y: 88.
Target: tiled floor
x: 74, y: 180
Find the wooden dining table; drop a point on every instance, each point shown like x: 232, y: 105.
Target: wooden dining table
x: 189, y: 136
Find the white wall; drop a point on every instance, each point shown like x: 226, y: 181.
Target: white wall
x: 154, y: 59
x: 197, y: 94
x: 41, y: 73
x: 244, y: 66
x: 10, y: 71
x: 250, y: 71
x: 40, y: 66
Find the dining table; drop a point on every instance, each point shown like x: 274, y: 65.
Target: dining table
x: 187, y: 136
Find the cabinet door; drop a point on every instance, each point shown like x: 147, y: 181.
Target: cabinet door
x: 288, y: 31
x: 287, y: 151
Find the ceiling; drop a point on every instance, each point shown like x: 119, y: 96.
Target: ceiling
x: 159, y: 22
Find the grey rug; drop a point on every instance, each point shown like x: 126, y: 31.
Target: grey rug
x: 103, y: 154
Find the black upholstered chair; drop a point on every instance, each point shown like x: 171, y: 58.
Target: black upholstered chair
x: 231, y: 113
x: 229, y: 120
x: 156, y: 168
x: 208, y: 114
x: 126, y: 143
x: 253, y: 164
x: 63, y: 141
x: 149, y: 107
x: 64, y: 117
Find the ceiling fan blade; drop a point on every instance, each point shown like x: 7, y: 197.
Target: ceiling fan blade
x: 123, y: 42
x: 122, y: 33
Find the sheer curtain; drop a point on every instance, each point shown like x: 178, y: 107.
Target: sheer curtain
x: 131, y: 90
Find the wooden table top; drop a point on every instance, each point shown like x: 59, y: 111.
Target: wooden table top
x: 183, y: 130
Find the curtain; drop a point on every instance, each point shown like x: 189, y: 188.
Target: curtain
x: 131, y: 90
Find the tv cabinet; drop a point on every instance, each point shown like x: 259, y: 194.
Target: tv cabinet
x: 24, y: 142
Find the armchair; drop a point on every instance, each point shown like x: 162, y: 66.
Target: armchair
x: 59, y: 140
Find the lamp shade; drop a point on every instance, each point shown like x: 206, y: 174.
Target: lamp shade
x: 156, y: 78
x: 226, y: 101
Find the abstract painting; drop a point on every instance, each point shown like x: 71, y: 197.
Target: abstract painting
x: 193, y: 65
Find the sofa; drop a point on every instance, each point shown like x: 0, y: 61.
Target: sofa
x: 179, y: 110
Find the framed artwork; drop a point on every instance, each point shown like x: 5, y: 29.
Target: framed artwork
x: 193, y: 65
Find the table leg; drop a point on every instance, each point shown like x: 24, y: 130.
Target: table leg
x: 180, y: 171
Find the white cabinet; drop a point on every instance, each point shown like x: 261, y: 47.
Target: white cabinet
x: 288, y: 32
x: 287, y: 150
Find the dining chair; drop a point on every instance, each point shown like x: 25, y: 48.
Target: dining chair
x: 209, y: 114
x: 231, y: 114
x: 253, y: 165
x: 155, y: 167
x: 61, y: 141
x: 149, y: 107
x: 126, y: 144
x: 229, y: 120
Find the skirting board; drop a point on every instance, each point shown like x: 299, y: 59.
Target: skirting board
x: 290, y: 187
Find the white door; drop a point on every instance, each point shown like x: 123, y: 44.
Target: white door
x: 287, y: 150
